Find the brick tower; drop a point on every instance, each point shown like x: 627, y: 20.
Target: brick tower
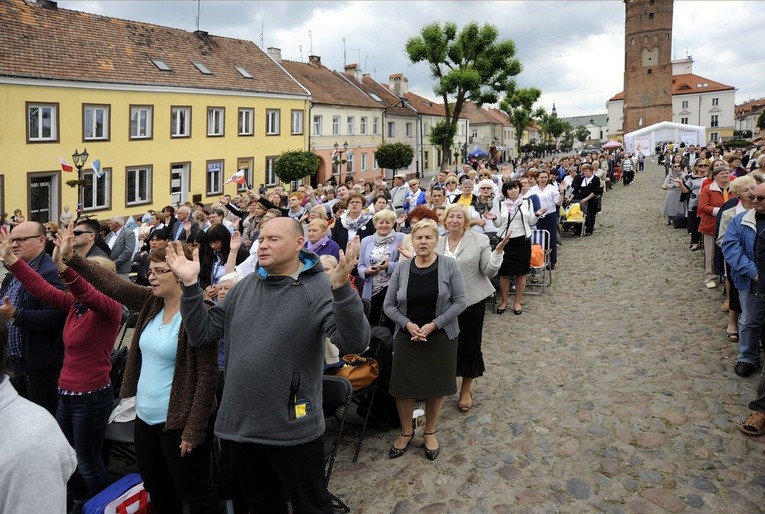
x: 647, y: 63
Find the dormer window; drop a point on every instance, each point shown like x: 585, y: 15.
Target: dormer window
x: 161, y: 65
x: 202, y: 68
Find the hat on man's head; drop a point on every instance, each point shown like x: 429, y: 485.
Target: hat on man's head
x: 400, y: 175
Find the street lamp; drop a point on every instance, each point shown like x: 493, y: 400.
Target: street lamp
x: 339, y: 160
x: 79, y: 160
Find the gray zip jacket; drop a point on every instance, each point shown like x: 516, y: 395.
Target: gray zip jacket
x: 274, y: 336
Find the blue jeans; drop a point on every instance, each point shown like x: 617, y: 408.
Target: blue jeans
x: 83, y: 420
x: 750, y: 325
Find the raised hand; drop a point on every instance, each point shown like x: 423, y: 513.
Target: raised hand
x: 6, y: 250
x: 184, y: 269
x: 404, y: 251
x: 236, y: 241
x: 64, y: 242
x: 346, y: 263
x: 501, y: 246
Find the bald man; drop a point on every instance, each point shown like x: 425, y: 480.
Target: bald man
x: 274, y: 322
x: 35, y: 347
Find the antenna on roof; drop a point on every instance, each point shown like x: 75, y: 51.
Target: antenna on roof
x: 301, y: 52
x: 261, y: 35
x: 345, y: 59
x: 366, y: 59
x: 198, y: 9
x: 310, y: 39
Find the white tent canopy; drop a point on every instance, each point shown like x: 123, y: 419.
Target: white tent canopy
x: 645, y: 139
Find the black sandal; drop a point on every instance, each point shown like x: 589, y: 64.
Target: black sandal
x: 395, y: 453
x: 431, y: 454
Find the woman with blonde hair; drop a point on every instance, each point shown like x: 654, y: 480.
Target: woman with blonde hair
x: 425, y: 296
x: 378, y: 258
x: 477, y: 264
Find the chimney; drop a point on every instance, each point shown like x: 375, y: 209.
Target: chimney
x: 275, y: 53
x: 399, y: 84
x: 48, y: 4
x: 354, y: 71
x: 315, y: 61
x: 202, y: 34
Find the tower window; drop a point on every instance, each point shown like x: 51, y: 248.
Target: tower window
x: 650, y: 72
x: 650, y: 15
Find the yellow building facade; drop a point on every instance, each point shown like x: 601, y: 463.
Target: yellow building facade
x: 156, y: 147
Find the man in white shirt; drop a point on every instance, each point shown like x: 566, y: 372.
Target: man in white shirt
x: 122, y: 243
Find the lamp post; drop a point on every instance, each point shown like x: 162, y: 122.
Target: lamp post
x: 79, y: 160
x: 339, y: 160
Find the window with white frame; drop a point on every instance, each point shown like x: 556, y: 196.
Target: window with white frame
x: 685, y: 104
x: 140, y: 121
x: 271, y: 179
x: 272, y: 122
x: 215, y: 121
x: 474, y: 133
x: 95, y: 122
x: 426, y: 129
x: 363, y: 125
x: 714, y: 136
x: 391, y: 129
x: 715, y: 101
x: 375, y: 126
x: 351, y: 125
x: 408, y: 129
x: 426, y: 160
x: 42, y: 122
x: 349, y: 162
x: 246, y: 166
x: 96, y: 193
x: 335, y: 125
x: 138, y: 185
x: 296, y: 125
x: 317, y: 125
x: 180, y: 121
x: 715, y: 120
x: 246, y: 121
x: 214, y: 180
x: 364, y: 158
x: 684, y: 121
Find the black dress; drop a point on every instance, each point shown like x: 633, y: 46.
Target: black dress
x: 423, y: 369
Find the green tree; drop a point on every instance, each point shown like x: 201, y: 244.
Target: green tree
x: 519, y: 107
x: 761, y: 121
x: 296, y: 164
x: 552, y: 127
x: 467, y: 65
x: 581, y: 133
x: 394, y: 156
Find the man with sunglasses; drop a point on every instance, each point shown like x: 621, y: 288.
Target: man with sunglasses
x: 86, y: 234
x: 35, y: 347
x: 743, y: 237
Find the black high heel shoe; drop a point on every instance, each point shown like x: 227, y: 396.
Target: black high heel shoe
x: 395, y: 453
x: 431, y: 454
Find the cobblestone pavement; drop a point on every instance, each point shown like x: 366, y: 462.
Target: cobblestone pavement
x: 614, y: 392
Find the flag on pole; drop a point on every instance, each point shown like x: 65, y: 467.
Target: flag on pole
x: 237, y: 177
x: 96, y: 165
x: 65, y: 166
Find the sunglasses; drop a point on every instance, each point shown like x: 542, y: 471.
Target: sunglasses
x: 760, y: 198
x: 81, y: 232
x: 702, y: 165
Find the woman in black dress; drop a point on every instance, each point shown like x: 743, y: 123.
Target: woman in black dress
x: 425, y: 296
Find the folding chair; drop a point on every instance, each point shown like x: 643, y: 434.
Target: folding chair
x: 543, y: 272
x: 131, y: 319
x: 119, y: 441
x: 337, y: 393
x: 581, y: 221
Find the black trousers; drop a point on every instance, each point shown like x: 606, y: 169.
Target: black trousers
x: 269, y: 475
x: 40, y: 387
x: 172, y: 479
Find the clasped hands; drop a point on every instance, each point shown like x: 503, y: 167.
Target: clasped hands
x: 420, y: 333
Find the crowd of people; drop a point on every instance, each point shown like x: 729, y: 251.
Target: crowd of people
x: 718, y: 193
x: 424, y: 258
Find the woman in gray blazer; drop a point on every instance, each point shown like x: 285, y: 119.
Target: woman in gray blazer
x: 477, y: 263
x: 425, y: 296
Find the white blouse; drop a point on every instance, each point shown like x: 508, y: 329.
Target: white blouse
x: 548, y: 198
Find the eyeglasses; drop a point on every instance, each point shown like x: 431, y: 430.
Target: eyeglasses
x: 485, y: 187
x: 676, y: 166
x: 702, y: 165
x: 760, y: 198
x: 81, y: 232
x: 157, y: 272
x: 21, y: 239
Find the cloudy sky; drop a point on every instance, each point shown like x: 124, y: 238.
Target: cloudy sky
x: 572, y: 50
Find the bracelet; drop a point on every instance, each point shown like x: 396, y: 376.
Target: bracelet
x: 73, y: 281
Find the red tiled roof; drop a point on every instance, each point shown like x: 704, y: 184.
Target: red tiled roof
x: 328, y: 87
x: 477, y: 115
x: 41, y: 42
x: 688, y: 83
x: 394, y: 104
x: 750, y: 107
x: 424, y: 106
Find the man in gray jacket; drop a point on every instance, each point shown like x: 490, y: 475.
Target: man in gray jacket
x: 274, y: 322
x: 122, y: 243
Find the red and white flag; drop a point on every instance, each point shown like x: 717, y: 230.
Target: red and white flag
x: 238, y: 177
x: 65, y: 166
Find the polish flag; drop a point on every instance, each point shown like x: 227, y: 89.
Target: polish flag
x: 65, y: 166
x: 237, y: 177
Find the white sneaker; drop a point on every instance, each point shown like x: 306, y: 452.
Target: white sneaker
x: 711, y: 284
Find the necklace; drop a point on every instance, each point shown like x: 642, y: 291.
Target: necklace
x: 165, y: 321
x: 453, y: 246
